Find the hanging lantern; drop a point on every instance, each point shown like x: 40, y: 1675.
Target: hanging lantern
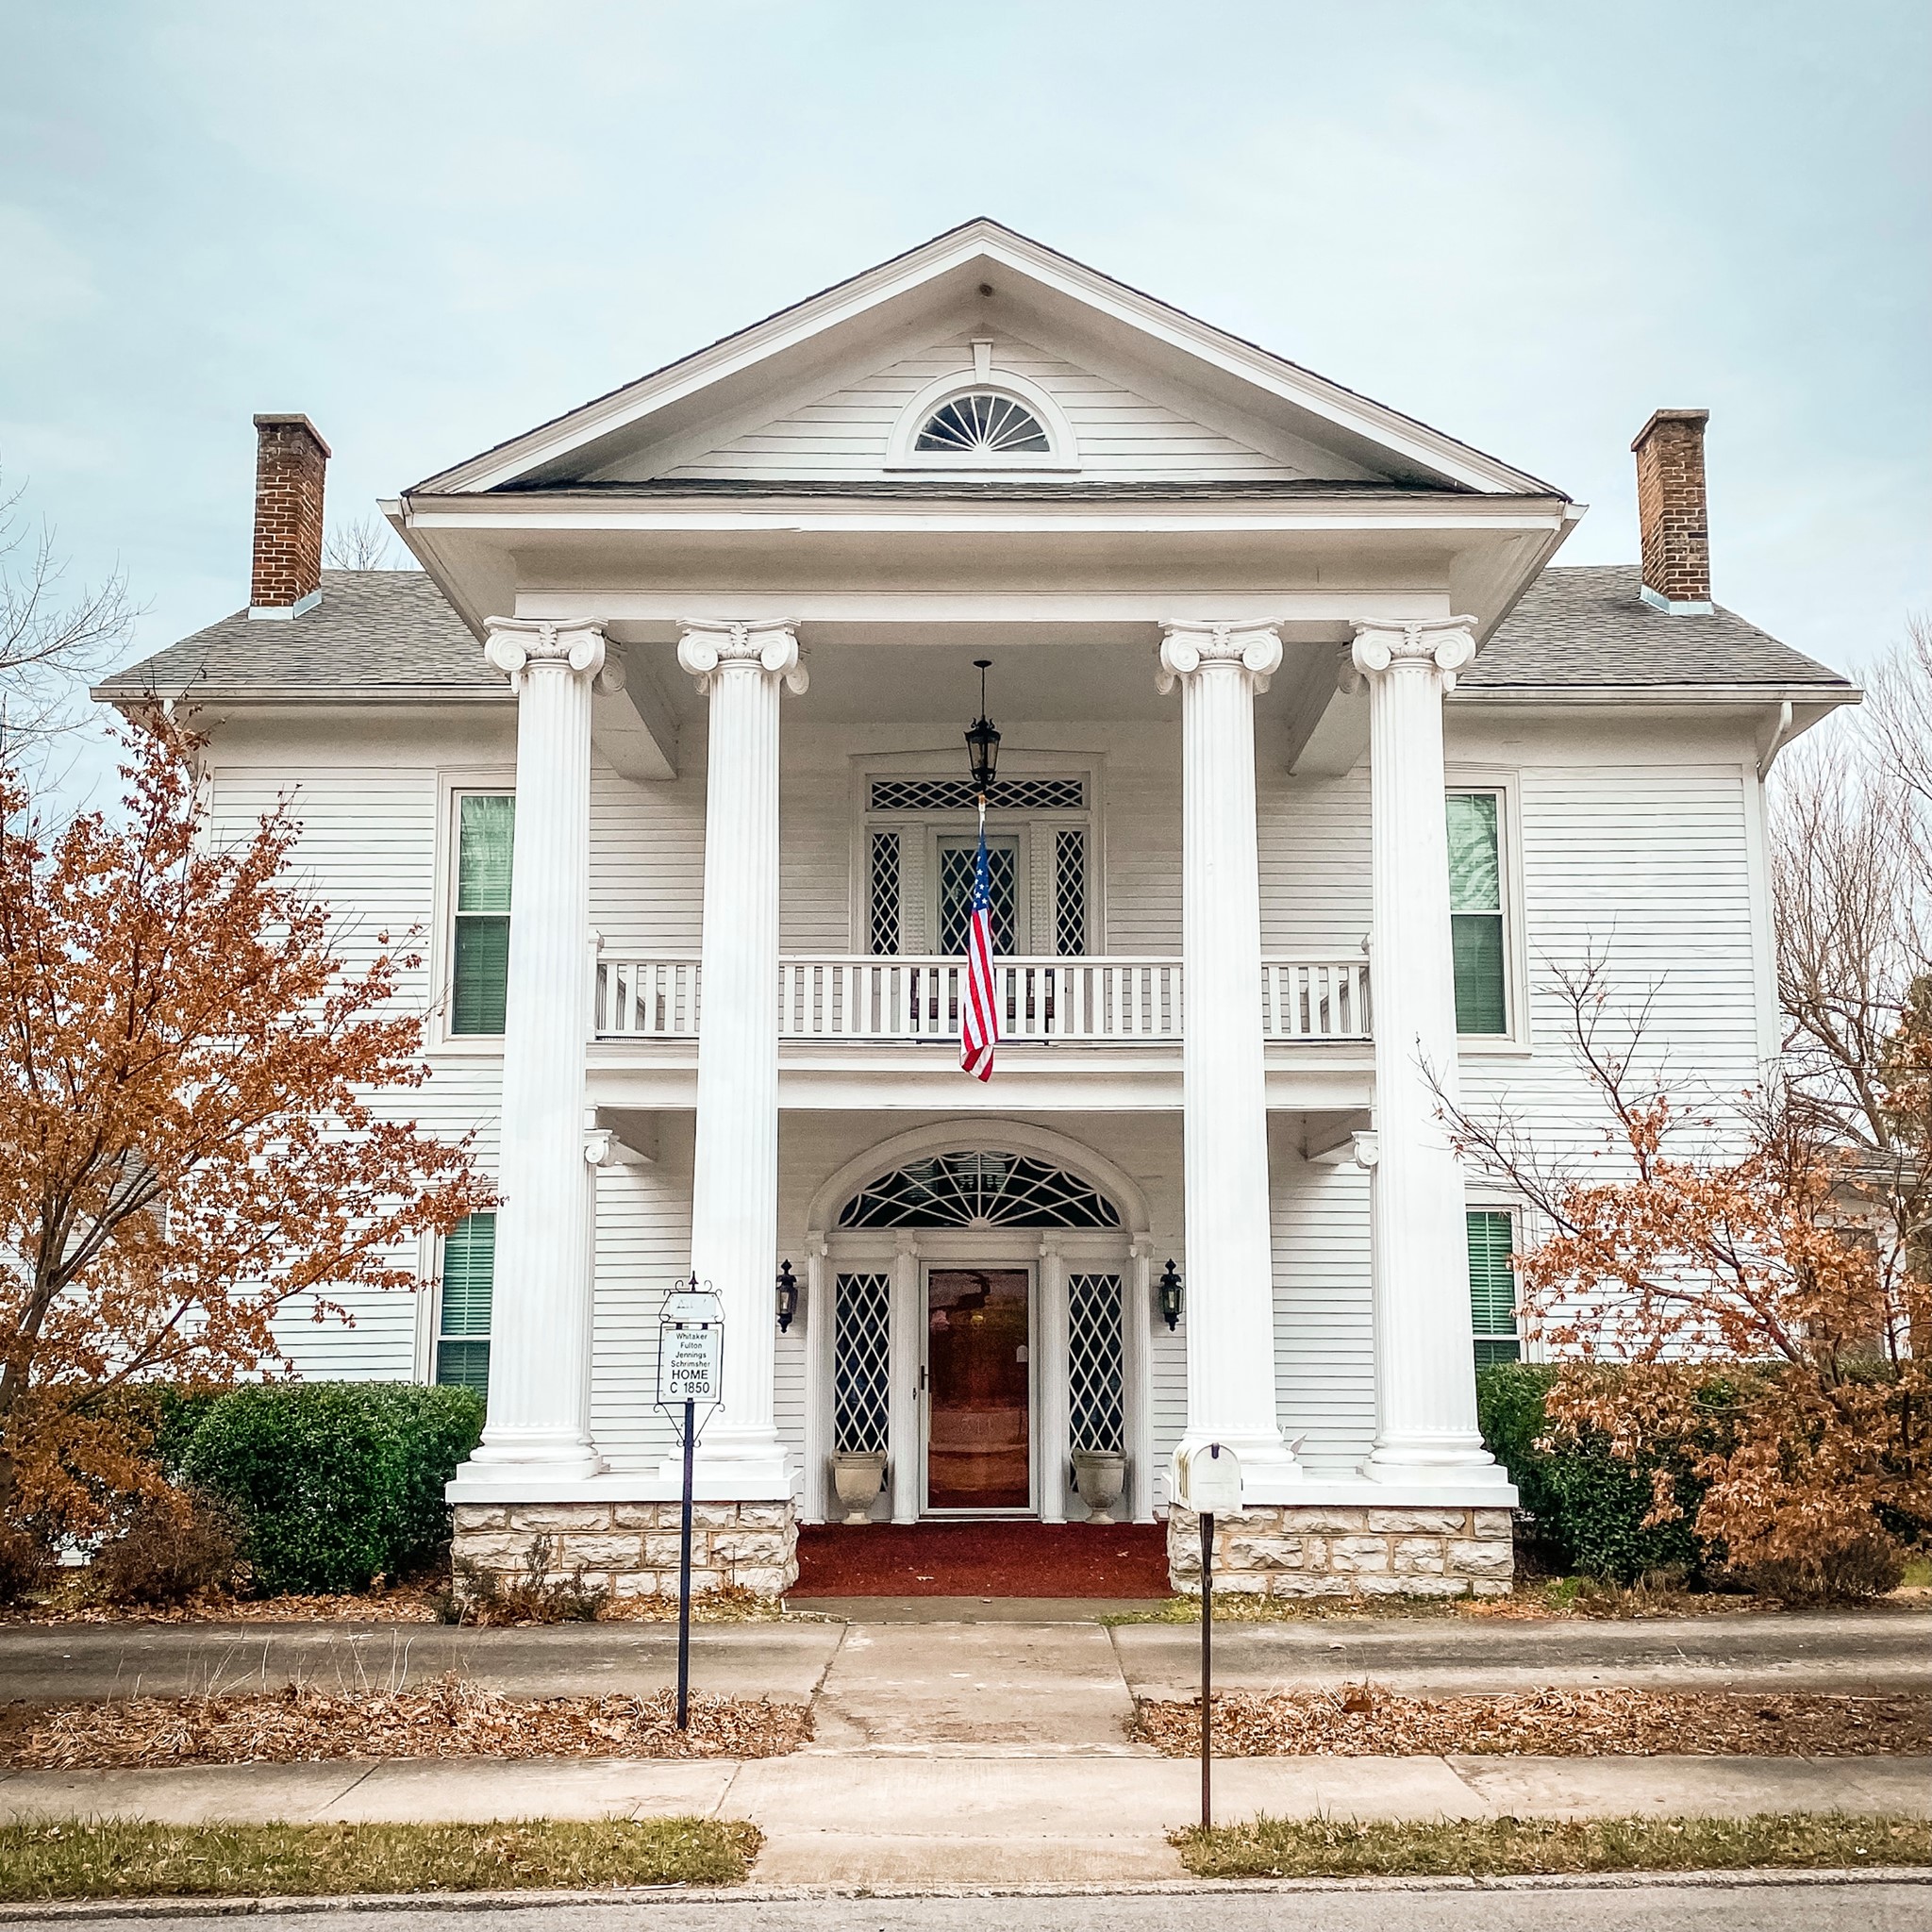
x: 1169, y: 1296
x: 983, y: 739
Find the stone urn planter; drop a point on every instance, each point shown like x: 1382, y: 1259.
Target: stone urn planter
x: 859, y: 1480
x: 1100, y: 1476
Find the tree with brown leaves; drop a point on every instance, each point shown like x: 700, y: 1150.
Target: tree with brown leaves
x: 191, y: 1134
x: 1722, y: 1305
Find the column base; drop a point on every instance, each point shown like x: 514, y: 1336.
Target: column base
x: 1457, y: 1462
x: 548, y: 1457
x: 632, y: 1548
x: 1363, y: 1550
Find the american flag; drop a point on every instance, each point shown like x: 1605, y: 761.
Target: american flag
x: 979, y: 1012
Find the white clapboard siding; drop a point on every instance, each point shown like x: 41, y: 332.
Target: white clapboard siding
x: 1323, y: 1310
x: 1119, y: 434
x: 367, y: 845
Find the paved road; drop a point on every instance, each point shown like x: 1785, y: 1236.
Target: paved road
x: 1796, y: 1905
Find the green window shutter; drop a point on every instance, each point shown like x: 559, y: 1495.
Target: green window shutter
x: 486, y: 841
x: 1475, y: 913
x: 469, y: 1279
x: 1492, y: 1288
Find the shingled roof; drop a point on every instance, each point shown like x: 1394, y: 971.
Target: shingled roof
x: 1585, y: 624
x: 389, y: 634
x: 377, y: 633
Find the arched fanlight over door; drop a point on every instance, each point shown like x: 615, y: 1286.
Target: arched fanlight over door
x: 980, y: 1190
x: 983, y: 422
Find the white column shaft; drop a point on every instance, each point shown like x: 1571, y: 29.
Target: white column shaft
x: 906, y: 1403
x: 734, y: 1236
x: 1053, y: 1370
x: 541, y: 1318
x: 1230, y: 1275
x: 1138, y: 1381
x: 1424, y: 1356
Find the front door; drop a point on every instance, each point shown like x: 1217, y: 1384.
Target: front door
x: 978, y: 1452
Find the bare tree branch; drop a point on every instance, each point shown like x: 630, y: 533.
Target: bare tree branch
x: 50, y: 639
x: 362, y: 545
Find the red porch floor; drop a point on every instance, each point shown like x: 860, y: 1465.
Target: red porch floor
x: 1127, y: 1559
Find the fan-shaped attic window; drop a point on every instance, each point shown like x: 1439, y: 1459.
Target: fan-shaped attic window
x: 983, y: 422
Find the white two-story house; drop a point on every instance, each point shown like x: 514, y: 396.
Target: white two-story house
x: 1310, y: 758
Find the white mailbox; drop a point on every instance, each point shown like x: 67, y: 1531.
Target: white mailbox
x: 1207, y: 1479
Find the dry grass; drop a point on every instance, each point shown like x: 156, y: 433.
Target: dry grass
x: 74, y: 1860
x: 412, y: 1603
x: 1325, y: 1848
x: 1554, y: 1600
x: 1364, y: 1721
x: 451, y: 1719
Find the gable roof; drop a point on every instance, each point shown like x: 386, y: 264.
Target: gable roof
x: 806, y: 344
x: 389, y: 634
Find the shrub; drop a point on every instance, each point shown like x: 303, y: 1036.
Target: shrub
x: 1588, y: 1505
x: 336, y: 1483
x: 175, y: 1548
x: 26, y: 1562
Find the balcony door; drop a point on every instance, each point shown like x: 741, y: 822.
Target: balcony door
x: 954, y: 879
x: 979, y: 1391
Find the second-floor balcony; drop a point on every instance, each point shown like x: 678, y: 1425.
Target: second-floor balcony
x: 897, y: 999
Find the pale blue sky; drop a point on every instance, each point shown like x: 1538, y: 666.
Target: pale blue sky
x: 430, y: 225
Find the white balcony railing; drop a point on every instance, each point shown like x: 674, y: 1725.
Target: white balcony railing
x: 897, y: 998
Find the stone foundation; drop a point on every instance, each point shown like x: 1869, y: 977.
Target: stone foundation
x: 631, y: 1548
x: 1300, y: 1549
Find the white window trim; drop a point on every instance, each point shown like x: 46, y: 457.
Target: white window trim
x: 919, y: 830
x: 451, y: 786
x: 901, y: 453
x: 1515, y: 1042
x: 1488, y: 1201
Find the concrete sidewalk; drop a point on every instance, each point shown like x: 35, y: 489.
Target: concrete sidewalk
x: 859, y: 1819
x: 990, y: 1751
x: 1872, y: 1651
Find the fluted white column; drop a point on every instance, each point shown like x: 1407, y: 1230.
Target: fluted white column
x: 734, y: 1215
x: 1230, y: 1260
x: 1424, y: 1355
x: 540, y: 1350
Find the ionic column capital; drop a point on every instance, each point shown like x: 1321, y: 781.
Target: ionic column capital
x: 709, y: 649
x: 1190, y: 647
x: 519, y: 644
x: 1437, y: 644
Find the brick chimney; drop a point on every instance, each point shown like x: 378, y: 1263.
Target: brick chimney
x: 290, y: 459
x: 1670, y: 511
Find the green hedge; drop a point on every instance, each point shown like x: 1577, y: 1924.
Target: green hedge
x: 336, y: 1482
x: 1588, y: 1504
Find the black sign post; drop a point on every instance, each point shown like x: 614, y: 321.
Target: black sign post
x: 691, y: 1370
x: 1207, y: 1670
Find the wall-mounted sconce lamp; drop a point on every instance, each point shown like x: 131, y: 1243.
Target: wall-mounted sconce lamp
x: 788, y: 1296
x: 1169, y: 1296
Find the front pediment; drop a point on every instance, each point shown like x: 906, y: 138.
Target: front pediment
x: 1119, y: 387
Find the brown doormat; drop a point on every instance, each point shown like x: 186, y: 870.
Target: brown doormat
x: 1071, y: 1560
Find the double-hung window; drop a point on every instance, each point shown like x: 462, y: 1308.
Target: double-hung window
x: 485, y: 836
x: 462, y: 1323
x: 1476, y: 912
x: 1492, y: 1287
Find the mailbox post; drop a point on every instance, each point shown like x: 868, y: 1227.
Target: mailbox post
x: 691, y: 1370
x: 1207, y: 1479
